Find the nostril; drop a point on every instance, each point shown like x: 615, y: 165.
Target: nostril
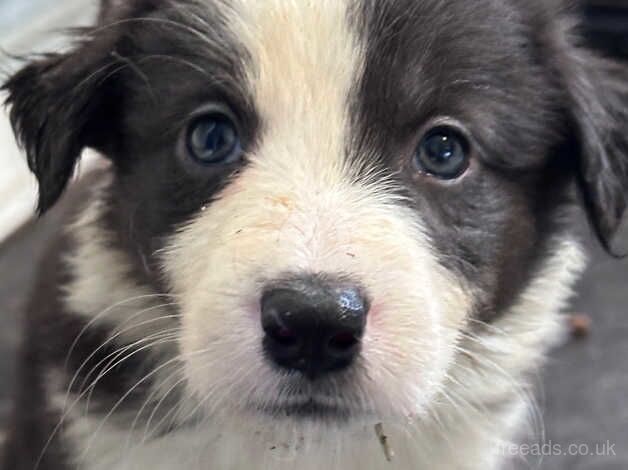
x: 284, y: 336
x: 343, y: 342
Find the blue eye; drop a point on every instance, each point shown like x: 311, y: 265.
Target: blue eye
x: 443, y: 153
x: 213, y: 140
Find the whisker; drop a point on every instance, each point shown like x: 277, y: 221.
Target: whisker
x: 162, y: 338
x: 127, y: 394
x: 516, y: 386
x: 60, y: 423
x: 111, y: 339
x: 99, y: 316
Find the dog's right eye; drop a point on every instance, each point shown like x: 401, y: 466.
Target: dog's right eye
x: 214, y: 139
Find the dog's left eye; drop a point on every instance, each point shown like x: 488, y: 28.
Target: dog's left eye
x: 213, y: 140
x: 443, y: 153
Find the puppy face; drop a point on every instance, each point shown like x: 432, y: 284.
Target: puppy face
x: 408, y: 161
x: 310, y: 201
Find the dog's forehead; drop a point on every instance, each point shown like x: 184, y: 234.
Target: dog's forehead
x: 410, y: 42
x: 381, y: 68
x: 401, y: 50
x: 408, y: 45
x: 300, y: 53
x: 389, y: 65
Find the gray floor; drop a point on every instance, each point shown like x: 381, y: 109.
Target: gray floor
x: 585, y: 399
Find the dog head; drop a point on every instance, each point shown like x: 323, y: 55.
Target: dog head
x: 335, y: 191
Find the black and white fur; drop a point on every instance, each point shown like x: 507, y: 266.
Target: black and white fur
x: 143, y: 338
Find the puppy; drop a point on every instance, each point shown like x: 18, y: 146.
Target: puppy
x: 333, y: 233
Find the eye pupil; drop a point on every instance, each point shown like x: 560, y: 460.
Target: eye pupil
x: 443, y: 153
x: 214, y: 140
x: 441, y: 147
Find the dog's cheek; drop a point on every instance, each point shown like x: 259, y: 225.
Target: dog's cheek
x: 263, y: 227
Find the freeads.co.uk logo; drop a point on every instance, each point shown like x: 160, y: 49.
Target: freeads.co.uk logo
x: 549, y: 449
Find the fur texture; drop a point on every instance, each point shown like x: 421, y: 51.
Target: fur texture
x: 144, y: 344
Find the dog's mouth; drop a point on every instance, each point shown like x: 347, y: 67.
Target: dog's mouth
x: 312, y: 409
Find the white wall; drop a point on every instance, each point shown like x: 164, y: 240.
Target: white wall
x: 28, y: 29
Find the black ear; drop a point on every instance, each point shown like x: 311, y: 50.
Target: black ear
x: 62, y: 103
x: 58, y: 106
x: 597, y: 95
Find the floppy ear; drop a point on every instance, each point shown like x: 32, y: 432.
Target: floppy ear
x: 597, y: 95
x: 60, y: 105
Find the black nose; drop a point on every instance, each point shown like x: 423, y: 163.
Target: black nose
x: 312, y: 325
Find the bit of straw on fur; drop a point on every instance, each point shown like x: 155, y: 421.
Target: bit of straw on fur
x: 383, y: 440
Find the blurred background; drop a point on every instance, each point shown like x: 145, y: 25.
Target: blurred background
x: 584, y: 391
